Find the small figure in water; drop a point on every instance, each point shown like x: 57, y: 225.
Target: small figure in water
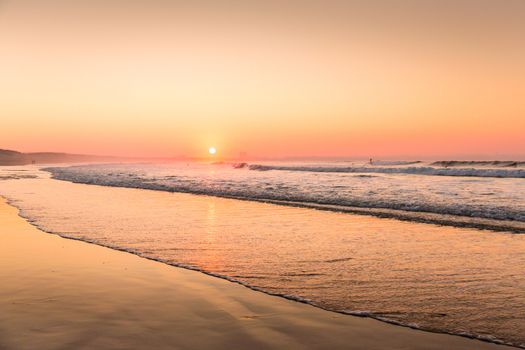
x: 371, y: 162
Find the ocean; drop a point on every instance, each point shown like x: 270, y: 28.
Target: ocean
x: 430, y: 245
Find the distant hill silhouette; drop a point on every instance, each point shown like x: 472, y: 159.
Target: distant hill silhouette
x: 9, y: 157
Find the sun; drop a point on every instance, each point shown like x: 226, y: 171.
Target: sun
x: 212, y: 150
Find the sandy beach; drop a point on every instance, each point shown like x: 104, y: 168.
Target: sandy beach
x: 75, y: 295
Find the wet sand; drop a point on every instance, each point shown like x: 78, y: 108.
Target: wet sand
x: 63, y: 294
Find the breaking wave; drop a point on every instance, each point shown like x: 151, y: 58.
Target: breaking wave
x: 461, y: 203
x: 420, y: 170
x: 481, y: 163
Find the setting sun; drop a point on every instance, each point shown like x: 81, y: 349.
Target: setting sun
x: 212, y: 150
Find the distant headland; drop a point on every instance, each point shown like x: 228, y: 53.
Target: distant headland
x: 10, y: 157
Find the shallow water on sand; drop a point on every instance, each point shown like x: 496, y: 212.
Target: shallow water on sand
x: 458, y: 280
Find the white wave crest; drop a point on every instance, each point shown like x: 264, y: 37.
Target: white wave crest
x: 421, y: 170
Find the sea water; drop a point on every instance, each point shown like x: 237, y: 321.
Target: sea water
x: 460, y: 280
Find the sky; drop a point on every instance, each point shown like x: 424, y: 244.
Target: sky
x: 370, y: 78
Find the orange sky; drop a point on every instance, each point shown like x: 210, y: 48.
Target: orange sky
x: 270, y: 78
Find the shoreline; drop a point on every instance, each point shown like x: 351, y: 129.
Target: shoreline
x: 259, y: 290
x: 271, y: 322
